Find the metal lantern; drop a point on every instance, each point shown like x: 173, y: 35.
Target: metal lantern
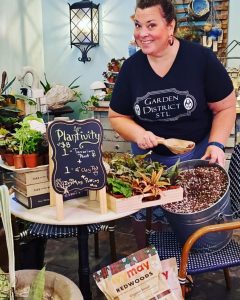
x: 84, y: 27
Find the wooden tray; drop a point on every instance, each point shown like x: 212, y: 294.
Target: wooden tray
x: 120, y: 205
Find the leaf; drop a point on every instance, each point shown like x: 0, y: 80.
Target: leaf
x: 119, y: 187
x: 8, y: 85
x: 74, y: 87
x: 173, y: 172
x: 37, y: 287
x: 46, y: 86
x: 70, y: 85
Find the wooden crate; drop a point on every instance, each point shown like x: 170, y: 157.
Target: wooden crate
x: 32, y: 189
x: 33, y: 177
x: 120, y: 205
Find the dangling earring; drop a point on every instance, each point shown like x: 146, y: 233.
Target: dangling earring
x: 171, y: 40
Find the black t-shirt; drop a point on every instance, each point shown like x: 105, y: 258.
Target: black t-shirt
x: 177, y: 104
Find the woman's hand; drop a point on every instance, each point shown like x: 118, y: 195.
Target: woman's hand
x: 215, y: 155
x: 147, y: 140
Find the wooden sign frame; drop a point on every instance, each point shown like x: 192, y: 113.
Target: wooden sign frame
x: 74, y: 151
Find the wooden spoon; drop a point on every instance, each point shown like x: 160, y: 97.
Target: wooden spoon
x: 177, y: 146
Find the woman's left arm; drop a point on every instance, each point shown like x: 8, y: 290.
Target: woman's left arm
x: 224, y: 115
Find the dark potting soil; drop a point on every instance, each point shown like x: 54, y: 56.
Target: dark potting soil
x: 202, y: 187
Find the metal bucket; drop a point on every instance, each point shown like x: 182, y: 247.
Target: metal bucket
x: 184, y: 224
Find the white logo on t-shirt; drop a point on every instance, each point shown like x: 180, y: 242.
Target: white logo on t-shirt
x: 164, y: 105
x: 188, y: 103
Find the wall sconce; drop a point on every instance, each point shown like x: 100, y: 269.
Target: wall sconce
x: 84, y: 27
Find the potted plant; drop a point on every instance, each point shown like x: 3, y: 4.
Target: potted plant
x: 39, y: 284
x: 28, y: 140
x: 3, y: 133
x: 115, y: 65
x: 30, y: 149
x: 84, y: 105
x: 12, y: 106
x: 9, y: 147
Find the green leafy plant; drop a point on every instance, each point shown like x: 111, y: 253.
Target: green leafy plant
x: 27, y: 139
x: 108, y: 97
x: 8, y: 144
x: 9, y: 112
x: 118, y: 186
x: 3, y: 131
x: 34, y: 139
x: 129, y: 175
x: 84, y: 105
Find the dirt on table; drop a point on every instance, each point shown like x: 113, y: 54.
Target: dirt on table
x: 202, y: 186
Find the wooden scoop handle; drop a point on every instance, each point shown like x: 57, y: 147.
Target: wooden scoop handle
x: 161, y: 140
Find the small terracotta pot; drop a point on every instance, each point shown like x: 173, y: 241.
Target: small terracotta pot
x: 19, y: 161
x: 115, y: 68
x: 31, y: 160
x: 3, y: 157
x: 9, y: 159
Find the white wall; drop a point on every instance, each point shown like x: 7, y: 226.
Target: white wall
x: 20, y: 36
x: 61, y: 61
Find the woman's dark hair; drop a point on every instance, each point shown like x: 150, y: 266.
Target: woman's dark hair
x: 166, y: 5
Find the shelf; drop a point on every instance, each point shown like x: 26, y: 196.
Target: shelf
x: 22, y: 170
x: 94, y: 108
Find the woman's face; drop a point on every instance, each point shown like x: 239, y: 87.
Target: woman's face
x: 152, y: 31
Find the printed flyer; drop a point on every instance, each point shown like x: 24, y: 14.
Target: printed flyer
x: 139, y: 276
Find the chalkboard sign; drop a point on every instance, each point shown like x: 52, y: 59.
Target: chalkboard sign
x: 77, y: 155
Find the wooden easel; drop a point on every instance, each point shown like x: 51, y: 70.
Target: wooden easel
x: 56, y: 199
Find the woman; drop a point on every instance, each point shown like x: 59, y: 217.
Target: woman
x: 171, y: 88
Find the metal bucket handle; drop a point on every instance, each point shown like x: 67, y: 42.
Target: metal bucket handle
x: 227, y: 217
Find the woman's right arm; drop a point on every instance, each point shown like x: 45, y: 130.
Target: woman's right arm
x: 131, y: 131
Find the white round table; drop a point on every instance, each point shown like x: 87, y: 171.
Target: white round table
x: 76, y: 212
